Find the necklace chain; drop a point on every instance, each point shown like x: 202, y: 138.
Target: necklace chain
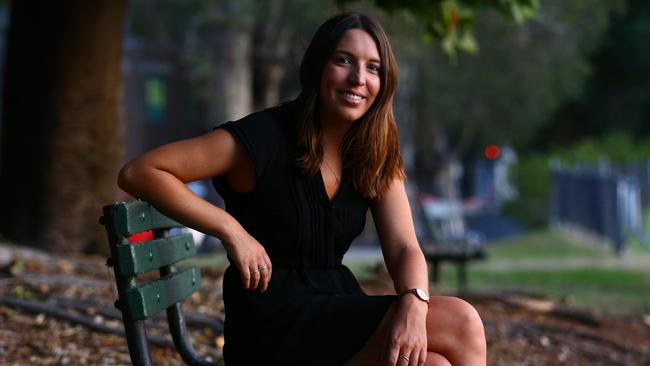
x: 336, y: 176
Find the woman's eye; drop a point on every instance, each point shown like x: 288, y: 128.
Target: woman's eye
x: 373, y: 67
x: 344, y: 60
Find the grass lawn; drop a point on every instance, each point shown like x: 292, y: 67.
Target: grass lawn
x: 547, y: 244
x: 561, y: 266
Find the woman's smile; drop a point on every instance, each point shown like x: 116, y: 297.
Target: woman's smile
x: 352, y: 97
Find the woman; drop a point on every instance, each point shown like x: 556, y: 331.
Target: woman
x: 297, y: 180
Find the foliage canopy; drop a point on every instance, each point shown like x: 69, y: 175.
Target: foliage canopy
x: 452, y: 21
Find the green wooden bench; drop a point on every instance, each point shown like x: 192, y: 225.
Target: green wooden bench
x: 141, y: 299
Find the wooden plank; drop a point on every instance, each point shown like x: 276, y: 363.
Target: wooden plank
x: 143, y: 257
x: 134, y: 217
x: 152, y: 297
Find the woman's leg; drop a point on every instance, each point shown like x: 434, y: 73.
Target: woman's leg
x: 454, y: 331
x: 436, y: 359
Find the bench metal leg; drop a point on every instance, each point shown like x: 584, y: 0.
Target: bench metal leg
x: 135, y: 331
x: 178, y: 330
x: 434, y: 274
x: 136, y: 338
x: 181, y: 339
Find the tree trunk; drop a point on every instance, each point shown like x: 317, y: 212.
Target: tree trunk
x: 62, y: 138
x: 234, y: 76
x: 219, y: 54
x: 270, y: 53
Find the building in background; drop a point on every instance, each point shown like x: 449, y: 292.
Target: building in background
x: 157, y: 99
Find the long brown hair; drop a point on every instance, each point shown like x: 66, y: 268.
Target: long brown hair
x: 371, y: 146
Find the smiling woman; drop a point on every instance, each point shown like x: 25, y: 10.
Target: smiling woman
x: 297, y: 180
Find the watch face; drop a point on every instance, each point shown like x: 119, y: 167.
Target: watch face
x: 421, y: 294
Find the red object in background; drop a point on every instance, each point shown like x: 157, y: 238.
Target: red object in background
x: 141, y: 236
x: 492, y: 152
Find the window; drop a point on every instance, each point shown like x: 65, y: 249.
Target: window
x: 155, y: 99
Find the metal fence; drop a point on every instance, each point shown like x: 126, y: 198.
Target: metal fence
x: 603, y: 201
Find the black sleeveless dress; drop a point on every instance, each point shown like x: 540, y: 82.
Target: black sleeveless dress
x: 314, y: 312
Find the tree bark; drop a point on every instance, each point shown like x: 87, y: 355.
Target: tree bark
x: 235, y: 74
x: 270, y: 53
x: 62, y: 138
x: 219, y: 52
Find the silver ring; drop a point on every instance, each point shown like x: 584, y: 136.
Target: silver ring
x: 262, y: 267
x: 403, y: 358
x: 253, y: 271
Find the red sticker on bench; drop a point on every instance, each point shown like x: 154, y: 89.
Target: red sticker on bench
x: 141, y: 236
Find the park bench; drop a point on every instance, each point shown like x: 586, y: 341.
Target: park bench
x: 140, y: 299
x: 459, y: 253
x: 448, y: 241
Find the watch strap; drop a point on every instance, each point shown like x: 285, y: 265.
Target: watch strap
x: 419, y: 293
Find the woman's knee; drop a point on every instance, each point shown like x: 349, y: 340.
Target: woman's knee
x: 436, y: 359
x: 471, y: 326
x: 471, y: 318
x: 463, y: 322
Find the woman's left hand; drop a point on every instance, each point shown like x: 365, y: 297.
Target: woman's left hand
x: 407, y: 337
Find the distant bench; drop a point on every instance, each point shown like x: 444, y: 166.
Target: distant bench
x: 154, y: 249
x: 445, y: 239
x: 459, y: 253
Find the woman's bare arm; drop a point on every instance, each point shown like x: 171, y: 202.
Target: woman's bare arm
x: 159, y: 176
x: 408, y: 269
x: 400, y: 247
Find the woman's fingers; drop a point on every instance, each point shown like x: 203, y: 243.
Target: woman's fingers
x: 245, y: 277
x: 249, y: 275
x: 423, y: 356
x: 254, y: 266
x: 414, y: 358
x: 390, y: 354
x: 255, y: 277
x: 398, y: 356
x: 404, y: 355
x: 265, y: 274
x: 404, y: 358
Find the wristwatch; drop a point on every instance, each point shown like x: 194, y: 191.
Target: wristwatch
x: 419, y: 293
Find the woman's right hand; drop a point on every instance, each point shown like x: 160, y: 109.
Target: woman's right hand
x: 252, y: 261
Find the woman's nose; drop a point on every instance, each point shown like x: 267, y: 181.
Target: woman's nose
x: 357, y: 76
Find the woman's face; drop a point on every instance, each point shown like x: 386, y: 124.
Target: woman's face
x: 350, y: 81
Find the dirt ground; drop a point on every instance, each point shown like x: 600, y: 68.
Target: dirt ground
x: 521, y: 329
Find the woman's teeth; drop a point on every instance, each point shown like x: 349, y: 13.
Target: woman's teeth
x: 352, y: 96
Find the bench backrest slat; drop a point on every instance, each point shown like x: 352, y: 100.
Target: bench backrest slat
x: 143, y: 257
x: 148, y: 299
x: 134, y: 217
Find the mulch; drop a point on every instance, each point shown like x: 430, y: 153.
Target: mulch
x: 522, y: 329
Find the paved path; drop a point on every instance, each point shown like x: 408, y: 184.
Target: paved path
x: 632, y: 263
x: 363, y: 253
x: 371, y: 254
